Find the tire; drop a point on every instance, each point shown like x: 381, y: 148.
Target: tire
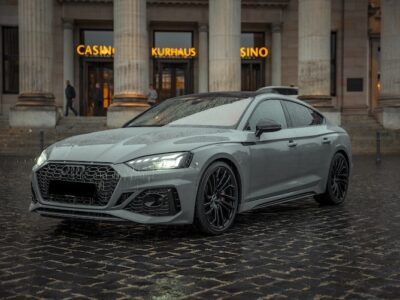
x: 337, y: 183
x: 217, y: 199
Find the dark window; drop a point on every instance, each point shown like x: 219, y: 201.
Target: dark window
x: 354, y: 84
x: 10, y: 60
x: 172, y: 39
x: 333, y: 62
x: 98, y: 37
x: 267, y: 110
x: 302, y: 116
x: 252, y: 39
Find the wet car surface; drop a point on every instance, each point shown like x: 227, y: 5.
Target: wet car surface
x: 297, y: 250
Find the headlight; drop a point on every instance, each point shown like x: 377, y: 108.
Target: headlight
x: 41, y: 159
x: 161, y: 161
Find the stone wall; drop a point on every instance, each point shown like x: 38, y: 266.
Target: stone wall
x: 353, y: 19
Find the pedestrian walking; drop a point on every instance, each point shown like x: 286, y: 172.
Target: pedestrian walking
x: 70, y: 95
x: 98, y: 99
x: 152, y: 96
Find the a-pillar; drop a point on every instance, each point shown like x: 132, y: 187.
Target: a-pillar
x: 68, y: 55
x: 35, y: 106
x: 314, y: 55
x: 225, y: 30
x: 131, y: 62
x: 203, y: 58
x: 389, y: 99
x: 276, y: 54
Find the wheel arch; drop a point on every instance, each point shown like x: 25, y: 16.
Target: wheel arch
x: 230, y: 161
x: 342, y: 150
x: 346, y: 156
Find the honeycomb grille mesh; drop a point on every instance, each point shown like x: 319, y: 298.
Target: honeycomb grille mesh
x: 104, y: 177
x: 166, y: 202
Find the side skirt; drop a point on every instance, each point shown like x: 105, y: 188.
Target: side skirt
x: 283, y: 200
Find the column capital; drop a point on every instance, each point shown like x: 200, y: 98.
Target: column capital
x: 203, y: 28
x: 68, y: 23
x: 276, y: 27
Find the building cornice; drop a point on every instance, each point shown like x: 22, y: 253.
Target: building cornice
x: 255, y: 3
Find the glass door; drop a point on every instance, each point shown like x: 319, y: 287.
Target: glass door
x: 172, y: 79
x: 98, y: 88
x: 252, y: 76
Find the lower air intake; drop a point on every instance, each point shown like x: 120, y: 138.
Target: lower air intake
x: 156, y: 202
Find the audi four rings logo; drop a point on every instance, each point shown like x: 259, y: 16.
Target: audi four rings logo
x: 72, y: 171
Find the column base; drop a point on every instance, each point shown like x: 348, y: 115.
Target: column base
x: 389, y: 111
x: 389, y: 117
x: 33, y: 116
x: 121, y: 112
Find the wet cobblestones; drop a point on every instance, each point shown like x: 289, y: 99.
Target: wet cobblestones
x: 292, y: 251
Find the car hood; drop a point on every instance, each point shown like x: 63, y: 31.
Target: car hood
x: 123, y: 144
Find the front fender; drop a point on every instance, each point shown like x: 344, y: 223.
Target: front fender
x: 235, y: 153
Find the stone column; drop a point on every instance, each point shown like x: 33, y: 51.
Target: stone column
x: 314, y: 51
x: 203, y: 58
x: 131, y: 61
x: 36, y: 105
x: 68, y: 55
x: 225, y: 63
x: 276, y: 54
x: 389, y: 99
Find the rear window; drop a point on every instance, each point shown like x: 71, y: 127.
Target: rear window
x: 303, y: 116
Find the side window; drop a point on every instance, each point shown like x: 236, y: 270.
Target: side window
x: 302, y: 116
x: 269, y: 109
x: 317, y: 118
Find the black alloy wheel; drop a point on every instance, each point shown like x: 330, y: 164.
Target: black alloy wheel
x: 338, y: 181
x: 217, y: 199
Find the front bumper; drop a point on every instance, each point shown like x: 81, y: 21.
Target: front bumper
x: 132, y: 186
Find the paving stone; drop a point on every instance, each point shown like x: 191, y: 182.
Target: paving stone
x: 293, y: 251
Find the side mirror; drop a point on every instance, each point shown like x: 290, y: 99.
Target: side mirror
x: 267, y: 126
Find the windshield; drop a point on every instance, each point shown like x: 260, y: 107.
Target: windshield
x: 213, y: 111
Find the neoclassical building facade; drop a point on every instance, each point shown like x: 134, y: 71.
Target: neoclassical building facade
x: 343, y: 55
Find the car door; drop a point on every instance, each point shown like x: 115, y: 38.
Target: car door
x: 273, y: 155
x: 313, y: 141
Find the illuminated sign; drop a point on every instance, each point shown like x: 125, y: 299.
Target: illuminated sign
x: 95, y: 50
x: 107, y: 50
x: 173, y: 52
x: 254, y: 52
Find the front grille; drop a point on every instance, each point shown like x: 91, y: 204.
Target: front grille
x: 156, y: 202
x: 70, y: 183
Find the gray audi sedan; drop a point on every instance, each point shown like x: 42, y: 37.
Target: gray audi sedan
x: 198, y: 159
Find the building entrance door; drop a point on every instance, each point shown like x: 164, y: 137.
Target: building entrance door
x: 252, y: 75
x: 172, y: 79
x: 98, y: 88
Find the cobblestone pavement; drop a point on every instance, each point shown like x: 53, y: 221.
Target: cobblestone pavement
x: 293, y: 251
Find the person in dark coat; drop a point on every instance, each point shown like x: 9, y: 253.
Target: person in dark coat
x: 98, y: 99
x: 70, y: 95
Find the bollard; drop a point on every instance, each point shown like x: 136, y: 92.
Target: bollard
x: 378, y: 147
x: 41, y: 140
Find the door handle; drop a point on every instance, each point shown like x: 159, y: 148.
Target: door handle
x: 292, y: 143
x: 326, y: 141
